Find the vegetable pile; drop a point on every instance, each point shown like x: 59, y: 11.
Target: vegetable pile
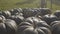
x: 30, y: 21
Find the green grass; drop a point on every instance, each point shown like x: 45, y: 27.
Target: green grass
x: 9, y: 4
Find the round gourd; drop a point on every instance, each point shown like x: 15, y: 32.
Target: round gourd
x: 11, y: 26
x: 49, y: 18
x: 35, y: 20
x: 8, y: 27
x: 57, y: 13
x: 44, y: 11
x: 18, y: 19
x: 3, y: 28
x: 32, y: 26
x: 29, y: 12
x: 28, y: 29
x: 46, y: 30
x: 6, y: 14
x: 32, y: 19
x: 55, y: 27
x: 2, y: 18
x: 15, y: 11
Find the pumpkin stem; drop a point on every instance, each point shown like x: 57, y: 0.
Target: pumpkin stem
x: 34, y: 25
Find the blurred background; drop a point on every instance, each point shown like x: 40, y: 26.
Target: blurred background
x: 9, y: 4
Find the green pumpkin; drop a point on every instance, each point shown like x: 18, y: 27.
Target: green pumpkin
x: 33, y: 26
x: 8, y: 27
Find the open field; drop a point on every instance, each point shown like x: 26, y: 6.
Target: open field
x: 9, y: 4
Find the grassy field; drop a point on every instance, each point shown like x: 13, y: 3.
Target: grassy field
x: 9, y: 4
